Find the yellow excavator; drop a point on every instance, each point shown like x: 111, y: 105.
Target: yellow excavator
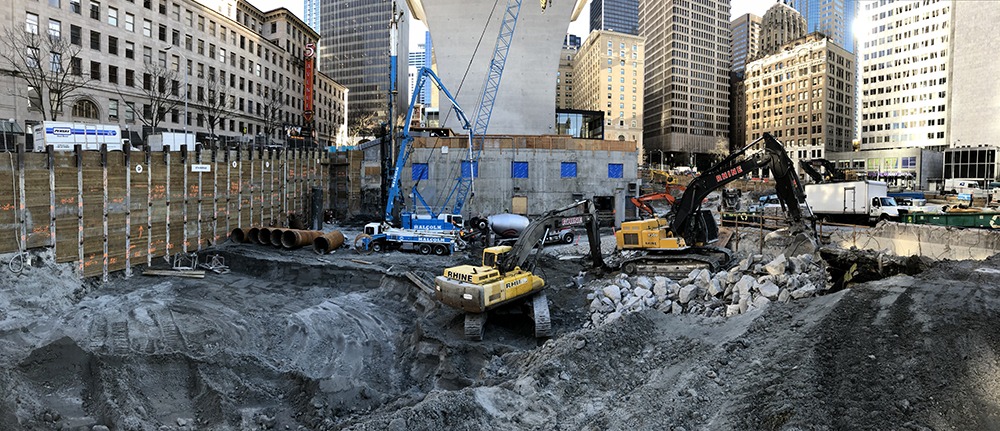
x: 505, y: 276
x: 674, y: 246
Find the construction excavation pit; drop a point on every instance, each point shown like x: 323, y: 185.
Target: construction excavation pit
x: 839, y: 337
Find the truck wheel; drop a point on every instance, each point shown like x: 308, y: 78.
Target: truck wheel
x: 568, y: 239
x: 424, y: 249
x: 481, y: 224
x: 440, y: 250
x: 378, y: 246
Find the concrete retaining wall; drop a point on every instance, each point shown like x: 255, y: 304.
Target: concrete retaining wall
x: 936, y: 242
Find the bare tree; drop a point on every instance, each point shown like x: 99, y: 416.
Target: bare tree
x: 364, y: 123
x: 273, y: 101
x: 49, y: 64
x: 159, y: 90
x: 214, y: 104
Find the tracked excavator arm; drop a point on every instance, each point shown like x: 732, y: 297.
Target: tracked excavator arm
x: 765, y: 152
x: 534, y: 235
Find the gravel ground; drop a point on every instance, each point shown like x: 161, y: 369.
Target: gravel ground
x: 345, y: 341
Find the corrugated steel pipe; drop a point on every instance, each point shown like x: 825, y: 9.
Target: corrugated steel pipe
x: 254, y: 235
x: 294, y: 238
x: 264, y: 237
x: 328, y: 242
x: 238, y: 235
x: 276, y: 236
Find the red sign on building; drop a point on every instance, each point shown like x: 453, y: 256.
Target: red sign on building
x: 308, y: 94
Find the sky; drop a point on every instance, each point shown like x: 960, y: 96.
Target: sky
x: 580, y: 27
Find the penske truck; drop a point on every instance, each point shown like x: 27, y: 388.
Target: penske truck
x: 64, y: 136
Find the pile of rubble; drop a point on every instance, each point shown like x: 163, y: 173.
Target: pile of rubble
x: 751, y: 284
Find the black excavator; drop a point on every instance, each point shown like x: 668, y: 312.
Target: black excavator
x: 684, y: 241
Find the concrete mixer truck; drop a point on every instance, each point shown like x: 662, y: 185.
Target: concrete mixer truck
x: 504, y: 229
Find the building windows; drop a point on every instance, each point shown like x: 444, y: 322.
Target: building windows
x: 31, y: 23
x: 112, y: 16
x: 418, y: 171
x: 74, y: 6
x: 55, y: 62
x: 129, y: 49
x: 112, y: 45
x: 85, y: 108
x: 95, y: 40
x: 519, y: 169
x: 95, y: 71
x: 147, y: 28
x: 129, y: 78
x: 95, y: 11
x: 147, y: 55
x: 55, y: 29
x: 76, y: 66
x: 567, y: 170
x: 130, y: 112
x: 113, y: 109
x: 162, y: 32
x: 129, y: 22
x: 113, y: 74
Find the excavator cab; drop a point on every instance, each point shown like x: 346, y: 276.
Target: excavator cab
x: 492, y: 255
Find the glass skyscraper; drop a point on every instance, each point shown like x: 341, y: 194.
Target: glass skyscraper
x: 621, y: 16
x: 834, y: 18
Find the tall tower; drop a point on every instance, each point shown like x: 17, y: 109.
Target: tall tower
x: 621, y: 16
x: 834, y: 18
x: 746, y: 39
x: 310, y: 8
x: 746, y: 43
x: 781, y: 24
x: 354, y: 51
x: 686, y: 97
x: 905, y: 90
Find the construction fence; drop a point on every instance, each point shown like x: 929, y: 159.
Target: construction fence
x: 109, y: 211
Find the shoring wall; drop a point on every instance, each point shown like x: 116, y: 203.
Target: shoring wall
x: 109, y: 211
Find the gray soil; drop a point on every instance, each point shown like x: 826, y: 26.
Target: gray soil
x: 292, y: 340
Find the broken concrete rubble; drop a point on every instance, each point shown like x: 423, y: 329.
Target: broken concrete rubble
x: 752, y: 284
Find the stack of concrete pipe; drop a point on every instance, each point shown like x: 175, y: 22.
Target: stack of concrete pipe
x: 289, y: 238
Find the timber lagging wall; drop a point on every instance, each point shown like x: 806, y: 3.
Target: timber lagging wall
x: 109, y: 211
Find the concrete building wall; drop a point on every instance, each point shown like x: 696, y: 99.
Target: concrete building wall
x: 544, y: 188
x: 525, y: 102
x: 975, y: 96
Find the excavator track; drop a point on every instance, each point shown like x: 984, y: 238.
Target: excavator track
x: 540, y: 313
x: 474, y: 325
x: 676, y: 265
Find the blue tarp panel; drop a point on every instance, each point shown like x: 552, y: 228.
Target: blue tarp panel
x: 568, y: 170
x: 615, y: 170
x: 418, y: 171
x: 519, y: 170
x: 465, y: 169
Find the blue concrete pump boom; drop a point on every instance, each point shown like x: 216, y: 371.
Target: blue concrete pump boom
x: 404, y: 148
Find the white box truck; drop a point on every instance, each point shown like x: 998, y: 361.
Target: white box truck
x: 852, y: 201
x: 169, y: 141
x: 63, y: 136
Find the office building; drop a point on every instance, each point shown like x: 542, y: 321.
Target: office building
x: 608, y: 76
x: 746, y: 39
x: 686, y: 99
x: 158, y: 66
x: 905, y: 60
x: 564, y: 77
x: 620, y: 16
x: 354, y: 51
x: 803, y: 96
